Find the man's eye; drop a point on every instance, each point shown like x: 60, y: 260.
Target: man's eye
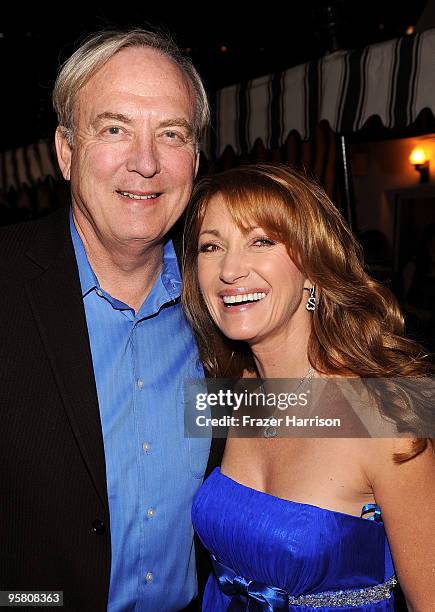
x: 113, y: 130
x: 176, y: 136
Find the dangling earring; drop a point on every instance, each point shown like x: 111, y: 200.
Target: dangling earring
x: 311, y: 303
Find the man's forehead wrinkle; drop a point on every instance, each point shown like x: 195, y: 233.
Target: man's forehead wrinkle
x: 148, y: 64
x: 140, y: 83
x: 94, y: 112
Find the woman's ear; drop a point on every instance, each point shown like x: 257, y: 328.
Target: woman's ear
x: 63, y: 151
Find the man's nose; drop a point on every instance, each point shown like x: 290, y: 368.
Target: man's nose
x: 143, y: 156
x: 234, y: 267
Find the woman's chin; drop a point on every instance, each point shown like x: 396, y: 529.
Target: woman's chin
x: 241, y: 335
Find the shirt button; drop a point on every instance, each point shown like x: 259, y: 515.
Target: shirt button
x: 99, y: 292
x: 98, y: 527
x: 149, y: 577
x: 151, y: 512
x: 140, y: 383
x: 146, y: 446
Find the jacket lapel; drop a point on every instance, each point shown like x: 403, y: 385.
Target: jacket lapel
x: 57, y: 304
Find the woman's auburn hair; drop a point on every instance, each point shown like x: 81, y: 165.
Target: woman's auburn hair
x: 357, y: 326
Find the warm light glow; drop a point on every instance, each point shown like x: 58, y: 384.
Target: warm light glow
x: 410, y: 30
x: 418, y: 156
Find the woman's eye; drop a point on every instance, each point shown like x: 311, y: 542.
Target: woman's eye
x: 263, y: 241
x: 208, y: 247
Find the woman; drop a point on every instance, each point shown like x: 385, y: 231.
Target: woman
x: 274, y: 284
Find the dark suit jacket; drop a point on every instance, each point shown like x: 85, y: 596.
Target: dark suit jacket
x: 54, y: 515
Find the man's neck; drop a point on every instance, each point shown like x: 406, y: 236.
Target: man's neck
x: 127, y: 278
x: 126, y: 272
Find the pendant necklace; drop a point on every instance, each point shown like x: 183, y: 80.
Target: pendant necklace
x: 271, y: 432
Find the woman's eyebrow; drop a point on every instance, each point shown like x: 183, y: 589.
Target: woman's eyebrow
x: 210, y: 231
x: 216, y: 232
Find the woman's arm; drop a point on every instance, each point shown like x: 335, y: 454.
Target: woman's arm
x: 406, y: 494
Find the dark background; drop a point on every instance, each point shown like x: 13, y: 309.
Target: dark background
x: 228, y: 42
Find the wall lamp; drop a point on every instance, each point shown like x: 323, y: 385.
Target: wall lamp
x: 420, y: 161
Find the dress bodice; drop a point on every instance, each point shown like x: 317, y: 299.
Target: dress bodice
x: 298, y: 548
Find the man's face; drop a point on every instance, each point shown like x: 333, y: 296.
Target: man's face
x: 133, y: 158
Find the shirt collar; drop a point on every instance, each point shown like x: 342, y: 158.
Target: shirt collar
x: 170, y: 275
x: 169, y: 278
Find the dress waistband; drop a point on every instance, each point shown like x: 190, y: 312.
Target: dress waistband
x: 262, y: 598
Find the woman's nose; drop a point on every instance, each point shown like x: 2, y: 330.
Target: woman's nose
x: 234, y: 267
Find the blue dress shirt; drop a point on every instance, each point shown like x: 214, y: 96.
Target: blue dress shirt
x: 141, y: 361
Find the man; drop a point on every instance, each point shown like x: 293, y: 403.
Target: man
x: 96, y: 477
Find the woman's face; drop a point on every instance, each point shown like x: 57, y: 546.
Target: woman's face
x: 253, y: 290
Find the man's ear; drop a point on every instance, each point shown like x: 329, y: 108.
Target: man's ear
x: 63, y: 151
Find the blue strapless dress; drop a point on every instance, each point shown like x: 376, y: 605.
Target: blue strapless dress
x: 273, y: 554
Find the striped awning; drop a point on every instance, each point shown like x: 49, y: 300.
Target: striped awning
x: 394, y: 80
x: 28, y: 166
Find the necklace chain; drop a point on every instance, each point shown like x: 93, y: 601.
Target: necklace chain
x: 270, y: 432
x: 308, y: 376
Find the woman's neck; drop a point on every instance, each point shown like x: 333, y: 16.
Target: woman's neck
x: 284, y: 357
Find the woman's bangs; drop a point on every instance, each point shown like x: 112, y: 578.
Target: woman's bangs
x: 259, y: 206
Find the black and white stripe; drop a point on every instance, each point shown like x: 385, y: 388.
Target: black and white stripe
x: 393, y: 80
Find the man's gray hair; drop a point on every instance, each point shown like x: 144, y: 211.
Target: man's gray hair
x: 98, y: 49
